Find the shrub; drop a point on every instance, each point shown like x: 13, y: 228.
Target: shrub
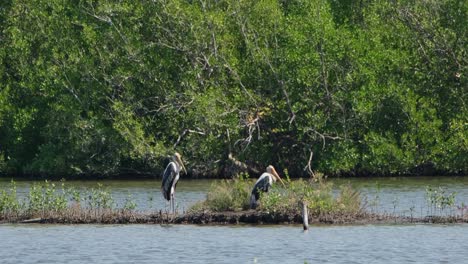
x: 234, y: 195
x: 9, y: 203
x: 317, y: 195
x: 229, y: 195
x: 45, y: 200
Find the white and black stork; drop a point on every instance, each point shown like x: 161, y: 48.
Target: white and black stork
x: 170, y: 178
x: 263, y: 184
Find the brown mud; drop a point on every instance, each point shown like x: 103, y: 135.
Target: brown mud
x: 232, y: 218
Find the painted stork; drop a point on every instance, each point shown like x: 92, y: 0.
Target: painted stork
x: 263, y: 184
x: 170, y: 179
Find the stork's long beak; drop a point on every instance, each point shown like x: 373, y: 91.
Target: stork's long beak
x: 182, y: 164
x: 278, y: 177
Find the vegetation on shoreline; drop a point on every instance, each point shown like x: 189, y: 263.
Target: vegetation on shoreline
x: 347, y: 205
x: 234, y: 195
x: 338, y: 87
x: 46, y: 200
x: 49, y: 202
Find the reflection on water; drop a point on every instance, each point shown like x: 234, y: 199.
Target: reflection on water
x: 405, y: 195
x: 219, y: 244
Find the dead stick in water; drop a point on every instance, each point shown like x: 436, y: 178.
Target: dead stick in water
x: 305, y: 216
x: 34, y: 220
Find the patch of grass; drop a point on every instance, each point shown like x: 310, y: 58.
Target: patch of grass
x: 234, y: 195
x: 440, y: 199
x: 9, y: 204
x: 317, y: 195
x: 349, y: 200
x: 57, y: 201
x: 228, y: 195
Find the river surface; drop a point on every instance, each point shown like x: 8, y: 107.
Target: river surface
x: 238, y: 244
x: 422, y: 243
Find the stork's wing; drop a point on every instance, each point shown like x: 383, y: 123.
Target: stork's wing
x: 262, y: 185
x: 167, y: 180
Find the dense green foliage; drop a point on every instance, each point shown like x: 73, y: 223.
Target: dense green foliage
x: 112, y: 87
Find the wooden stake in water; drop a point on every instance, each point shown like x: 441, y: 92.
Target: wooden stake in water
x: 305, y: 216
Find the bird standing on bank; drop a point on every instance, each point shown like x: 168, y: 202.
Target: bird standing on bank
x: 170, y: 178
x: 263, y: 184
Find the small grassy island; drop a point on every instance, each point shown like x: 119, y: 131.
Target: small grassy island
x: 227, y: 202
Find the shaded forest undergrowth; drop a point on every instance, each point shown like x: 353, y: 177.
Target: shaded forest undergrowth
x: 226, y: 203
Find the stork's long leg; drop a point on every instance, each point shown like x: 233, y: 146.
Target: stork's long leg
x: 172, y: 204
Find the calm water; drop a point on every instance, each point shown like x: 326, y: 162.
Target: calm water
x: 246, y: 244
x: 398, y: 195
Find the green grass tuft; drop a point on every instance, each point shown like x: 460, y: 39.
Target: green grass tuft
x: 234, y: 195
x: 229, y: 195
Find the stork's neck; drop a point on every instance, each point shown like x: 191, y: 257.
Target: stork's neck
x: 273, y: 178
x: 177, y: 165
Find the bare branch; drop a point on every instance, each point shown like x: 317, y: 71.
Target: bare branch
x: 182, y: 135
x: 323, y: 136
x: 308, y: 167
x: 241, y: 164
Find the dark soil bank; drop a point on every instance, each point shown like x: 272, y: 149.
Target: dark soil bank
x: 233, y: 218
